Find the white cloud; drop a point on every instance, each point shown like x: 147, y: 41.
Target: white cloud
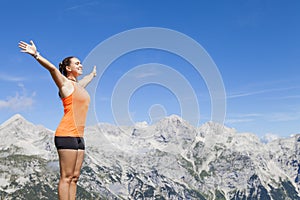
x: 21, y: 101
x: 145, y: 75
x: 6, y: 77
x: 245, y: 94
x: 83, y: 5
x: 269, y: 117
x: 284, y: 116
x: 235, y: 121
x: 242, y: 118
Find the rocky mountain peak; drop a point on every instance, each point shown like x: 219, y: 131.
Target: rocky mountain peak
x: 215, y: 128
x: 15, y: 119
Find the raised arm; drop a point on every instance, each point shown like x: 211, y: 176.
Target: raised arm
x: 88, y: 78
x: 31, y: 49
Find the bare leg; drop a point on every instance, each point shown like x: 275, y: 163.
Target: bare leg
x: 67, y: 163
x: 73, y: 185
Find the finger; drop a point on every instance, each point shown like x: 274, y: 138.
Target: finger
x: 31, y: 42
x: 23, y: 44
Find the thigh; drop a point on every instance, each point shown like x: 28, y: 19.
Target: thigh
x: 67, y: 161
x: 79, y: 161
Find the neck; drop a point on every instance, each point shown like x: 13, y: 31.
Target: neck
x: 72, y: 79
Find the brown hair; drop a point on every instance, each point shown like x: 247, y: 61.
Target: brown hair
x: 64, y: 63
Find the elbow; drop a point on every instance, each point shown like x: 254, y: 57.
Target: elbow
x: 53, y: 70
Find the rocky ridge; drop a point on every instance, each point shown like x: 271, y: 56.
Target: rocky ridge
x: 167, y: 160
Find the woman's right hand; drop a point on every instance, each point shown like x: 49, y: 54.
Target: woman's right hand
x: 28, y: 48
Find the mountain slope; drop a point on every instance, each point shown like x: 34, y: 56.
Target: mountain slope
x: 167, y: 160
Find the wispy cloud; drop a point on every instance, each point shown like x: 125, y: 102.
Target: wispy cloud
x: 236, y: 121
x: 273, y: 117
x: 289, y: 97
x: 79, y: 6
x: 242, y: 118
x: 21, y: 101
x: 6, y: 77
x: 283, y: 116
x: 244, y: 94
x: 145, y: 74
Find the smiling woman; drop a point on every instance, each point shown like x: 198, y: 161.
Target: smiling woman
x: 69, y: 134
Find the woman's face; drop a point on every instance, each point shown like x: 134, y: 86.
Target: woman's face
x: 75, y: 67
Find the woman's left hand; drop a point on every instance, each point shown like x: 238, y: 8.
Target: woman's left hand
x: 28, y: 48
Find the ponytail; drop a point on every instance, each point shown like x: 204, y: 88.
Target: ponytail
x: 63, y: 64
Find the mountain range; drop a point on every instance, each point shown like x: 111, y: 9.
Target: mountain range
x: 170, y: 159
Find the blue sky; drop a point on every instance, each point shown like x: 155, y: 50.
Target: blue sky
x: 255, y: 45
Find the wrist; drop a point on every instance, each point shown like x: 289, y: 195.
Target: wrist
x: 36, y: 55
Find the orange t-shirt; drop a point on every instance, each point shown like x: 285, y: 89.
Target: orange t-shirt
x: 75, y: 110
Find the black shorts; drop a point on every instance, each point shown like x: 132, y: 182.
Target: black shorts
x: 69, y: 143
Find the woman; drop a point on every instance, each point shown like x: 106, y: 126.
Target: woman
x: 69, y: 134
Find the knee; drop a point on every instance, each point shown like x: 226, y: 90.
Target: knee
x: 66, y: 179
x: 75, y: 178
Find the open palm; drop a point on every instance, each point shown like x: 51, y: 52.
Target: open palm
x: 28, y: 48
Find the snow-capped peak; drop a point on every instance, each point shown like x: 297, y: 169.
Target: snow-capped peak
x: 13, y: 119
